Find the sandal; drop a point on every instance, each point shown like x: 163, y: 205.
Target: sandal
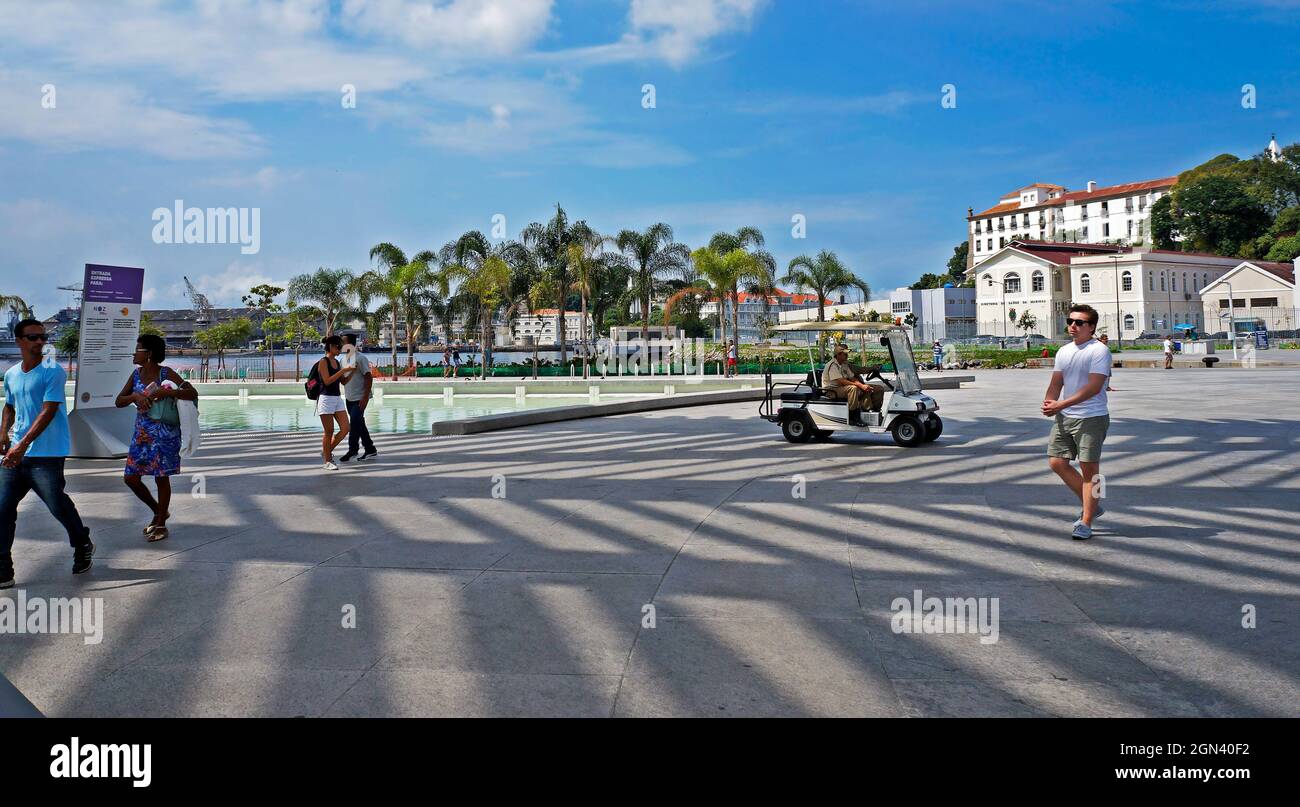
x: 152, y: 526
x: 158, y: 534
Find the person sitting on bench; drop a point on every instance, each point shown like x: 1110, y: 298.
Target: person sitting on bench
x: 840, y: 382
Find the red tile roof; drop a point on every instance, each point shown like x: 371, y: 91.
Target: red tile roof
x: 996, y: 209
x: 1047, y: 185
x: 1117, y: 190
x: 1286, y: 271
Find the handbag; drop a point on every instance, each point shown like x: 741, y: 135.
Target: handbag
x: 164, y: 410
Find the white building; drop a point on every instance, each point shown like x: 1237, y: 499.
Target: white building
x: 1118, y: 214
x: 542, y: 326
x: 947, y: 313
x: 1259, y: 294
x: 1134, y: 290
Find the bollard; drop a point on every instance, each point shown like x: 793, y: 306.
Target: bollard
x: 447, y: 396
x: 520, y: 392
x: 670, y: 390
x: 379, y: 396
x: 593, y: 394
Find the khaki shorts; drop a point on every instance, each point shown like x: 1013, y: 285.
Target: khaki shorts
x: 1078, y: 438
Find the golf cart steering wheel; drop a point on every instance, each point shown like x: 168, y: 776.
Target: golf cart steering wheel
x: 875, y: 373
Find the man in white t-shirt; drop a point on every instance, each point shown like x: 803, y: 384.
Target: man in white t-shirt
x: 1076, y: 400
x: 356, y: 396
x: 1169, y: 353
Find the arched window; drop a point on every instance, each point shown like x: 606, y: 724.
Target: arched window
x: 1162, y: 281
x: 1085, y: 284
x: 1036, y: 281
x: 1126, y: 280
x: 1012, y: 282
x: 1173, y: 281
x: 1128, y: 322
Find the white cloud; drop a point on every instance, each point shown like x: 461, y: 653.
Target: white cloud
x: 472, y: 26
x: 264, y: 179
x: 225, y: 288
x: 676, y: 30
x: 93, y: 115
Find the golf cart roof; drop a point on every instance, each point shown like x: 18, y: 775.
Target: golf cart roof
x: 843, y: 325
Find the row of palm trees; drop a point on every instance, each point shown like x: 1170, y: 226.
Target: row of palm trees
x: 474, y: 278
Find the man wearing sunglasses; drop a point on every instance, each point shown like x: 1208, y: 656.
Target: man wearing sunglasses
x: 1076, y: 400
x: 33, y: 457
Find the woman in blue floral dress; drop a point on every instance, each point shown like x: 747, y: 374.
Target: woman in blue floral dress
x: 156, y: 446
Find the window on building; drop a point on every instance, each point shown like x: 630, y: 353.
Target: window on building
x: 1056, y: 281
x: 1162, y: 281
x: 1126, y: 280
x: 1002, y: 242
x: 1263, y: 302
x: 1036, y: 281
x: 1026, y: 219
x: 1128, y: 322
x: 1085, y: 233
x: 1173, y: 282
x: 1130, y: 228
x: 1085, y: 284
x: 1151, y: 281
x: 1014, y: 223
x: 1012, y: 282
x: 1105, y: 230
x: 990, y: 243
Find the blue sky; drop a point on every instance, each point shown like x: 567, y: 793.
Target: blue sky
x: 471, y: 108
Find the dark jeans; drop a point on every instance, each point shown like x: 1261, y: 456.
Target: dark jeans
x: 357, y: 431
x: 45, y: 476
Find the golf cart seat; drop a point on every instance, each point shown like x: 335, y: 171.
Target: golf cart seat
x: 813, y: 393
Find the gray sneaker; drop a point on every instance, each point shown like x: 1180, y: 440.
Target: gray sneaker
x: 1096, y: 514
x: 1082, y: 532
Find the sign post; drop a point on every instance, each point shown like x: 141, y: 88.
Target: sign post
x: 110, y: 325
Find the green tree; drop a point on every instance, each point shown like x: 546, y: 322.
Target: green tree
x: 404, y: 286
x: 824, y: 275
x: 957, y: 263
x: 652, y: 256
x: 549, y: 244
x: 1027, y: 322
x: 331, y: 289
x: 298, y: 328
x: 225, y: 336
x: 487, y: 274
x: 147, y: 326
x: 261, y: 298
x: 1214, y: 213
x: 68, y: 343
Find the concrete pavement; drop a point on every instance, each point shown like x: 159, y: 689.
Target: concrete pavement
x: 509, y: 573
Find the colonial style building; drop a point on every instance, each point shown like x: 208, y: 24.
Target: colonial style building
x: 946, y: 313
x: 1259, y: 294
x: 541, y: 326
x: 1118, y: 214
x: 1135, y: 290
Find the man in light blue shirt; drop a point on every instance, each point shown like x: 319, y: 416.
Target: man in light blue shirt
x: 34, y: 454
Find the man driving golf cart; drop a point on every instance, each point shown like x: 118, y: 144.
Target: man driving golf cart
x: 840, y: 382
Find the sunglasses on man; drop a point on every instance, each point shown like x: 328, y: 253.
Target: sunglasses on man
x: 1079, y: 322
x: 35, y: 337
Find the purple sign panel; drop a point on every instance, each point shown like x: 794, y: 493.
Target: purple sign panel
x: 112, y: 284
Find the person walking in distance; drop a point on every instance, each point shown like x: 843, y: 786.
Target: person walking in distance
x: 1169, y: 353
x: 356, y: 396
x: 1105, y: 340
x: 34, y: 455
x: 938, y: 356
x: 446, y: 361
x: 731, y: 358
x: 156, y: 443
x: 330, y: 406
x: 1076, y: 402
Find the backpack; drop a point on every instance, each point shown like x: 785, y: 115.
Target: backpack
x: 313, y: 385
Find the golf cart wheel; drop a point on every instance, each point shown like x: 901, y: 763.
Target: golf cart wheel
x: 907, y: 431
x: 822, y: 435
x: 797, y: 430
x: 933, y: 429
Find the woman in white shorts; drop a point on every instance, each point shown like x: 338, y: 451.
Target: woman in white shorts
x: 330, y: 405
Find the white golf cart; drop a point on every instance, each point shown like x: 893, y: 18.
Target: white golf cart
x: 805, y: 413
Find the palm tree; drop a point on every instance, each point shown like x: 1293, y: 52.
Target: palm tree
x: 484, y: 273
x: 392, y: 282
x: 549, y: 243
x: 589, y: 262
x: 824, y: 275
x: 16, y: 304
x: 331, y: 289
x: 651, y: 254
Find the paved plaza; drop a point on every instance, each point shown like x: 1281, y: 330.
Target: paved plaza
x: 509, y: 573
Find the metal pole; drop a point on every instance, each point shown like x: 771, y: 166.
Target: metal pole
x: 1232, y: 329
